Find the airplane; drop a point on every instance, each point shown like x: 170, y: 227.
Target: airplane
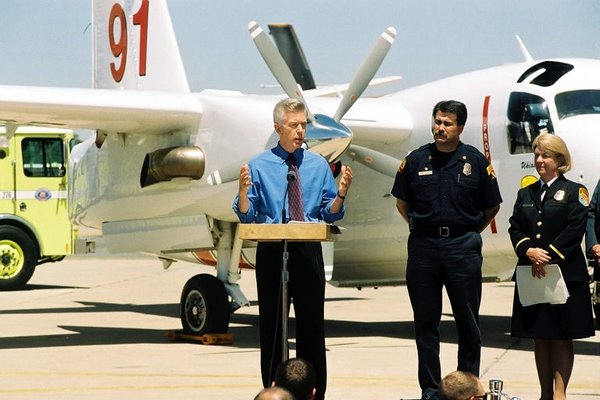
x: 160, y: 174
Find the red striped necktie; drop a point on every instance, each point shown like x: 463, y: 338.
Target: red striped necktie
x: 295, y: 192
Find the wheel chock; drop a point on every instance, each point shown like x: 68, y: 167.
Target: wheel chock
x: 178, y: 335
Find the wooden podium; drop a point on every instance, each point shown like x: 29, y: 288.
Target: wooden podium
x: 293, y: 232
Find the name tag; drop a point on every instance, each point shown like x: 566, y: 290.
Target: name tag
x: 423, y: 173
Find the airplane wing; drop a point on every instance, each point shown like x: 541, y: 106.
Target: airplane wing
x: 377, y: 120
x: 339, y: 90
x: 129, y: 111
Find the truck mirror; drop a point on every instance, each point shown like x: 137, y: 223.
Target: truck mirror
x: 4, y: 145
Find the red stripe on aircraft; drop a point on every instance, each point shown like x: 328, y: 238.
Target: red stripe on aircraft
x: 486, y: 144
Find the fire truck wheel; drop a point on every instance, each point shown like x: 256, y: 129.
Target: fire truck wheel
x: 18, y: 258
x: 204, y: 306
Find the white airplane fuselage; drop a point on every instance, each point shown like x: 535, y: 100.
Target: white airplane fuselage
x: 372, y: 250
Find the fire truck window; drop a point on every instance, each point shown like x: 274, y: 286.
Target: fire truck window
x: 43, y: 157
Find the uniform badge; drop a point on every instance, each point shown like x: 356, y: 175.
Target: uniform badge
x: 467, y: 169
x: 401, y: 169
x: 584, y: 197
x: 559, y: 195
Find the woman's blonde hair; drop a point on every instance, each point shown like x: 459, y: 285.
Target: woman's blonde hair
x: 555, y: 146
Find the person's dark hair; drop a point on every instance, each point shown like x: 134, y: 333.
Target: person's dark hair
x: 453, y: 107
x: 297, y: 376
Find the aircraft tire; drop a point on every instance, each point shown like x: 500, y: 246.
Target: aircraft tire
x: 204, y: 306
x: 18, y: 258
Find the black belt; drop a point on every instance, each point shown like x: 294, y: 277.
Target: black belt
x: 442, y: 231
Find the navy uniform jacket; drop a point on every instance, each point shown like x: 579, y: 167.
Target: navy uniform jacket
x: 590, y: 235
x: 556, y: 224
x: 454, y: 195
x: 595, y: 209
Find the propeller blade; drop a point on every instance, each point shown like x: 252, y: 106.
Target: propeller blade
x: 366, y: 72
x: 276, y: 64
x: 375, y: 160
x: 288, y: 44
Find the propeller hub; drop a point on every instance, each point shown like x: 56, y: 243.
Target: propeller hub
x: 327, y: 137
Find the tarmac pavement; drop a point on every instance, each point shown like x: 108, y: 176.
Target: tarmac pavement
x: 94, y: 328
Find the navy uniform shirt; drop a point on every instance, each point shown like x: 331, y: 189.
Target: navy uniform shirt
x: 446, y: 189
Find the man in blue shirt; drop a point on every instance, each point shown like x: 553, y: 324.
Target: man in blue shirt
x: 262, y: 189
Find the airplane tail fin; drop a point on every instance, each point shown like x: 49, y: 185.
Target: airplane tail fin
x: 129, y: 55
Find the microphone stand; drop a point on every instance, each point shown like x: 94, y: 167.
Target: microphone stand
x: 285, y: 276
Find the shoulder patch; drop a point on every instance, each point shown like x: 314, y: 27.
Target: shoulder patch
x: 401, y: 168
x: 490, y: 171
x: 584, y: 197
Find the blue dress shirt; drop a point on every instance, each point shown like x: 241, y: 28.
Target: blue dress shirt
x: 268, y: 172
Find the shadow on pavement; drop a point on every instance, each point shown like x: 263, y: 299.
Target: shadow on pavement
x: 244, y: 328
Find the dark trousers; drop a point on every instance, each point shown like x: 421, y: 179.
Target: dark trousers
x: 456, y: 264
x: 306, y: 291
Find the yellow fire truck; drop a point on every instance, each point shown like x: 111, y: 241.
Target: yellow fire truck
x: 34, y: 221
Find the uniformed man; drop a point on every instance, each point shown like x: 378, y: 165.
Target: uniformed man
x: 448, y: 193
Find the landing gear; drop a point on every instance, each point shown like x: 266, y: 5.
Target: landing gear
x: 204, y: 305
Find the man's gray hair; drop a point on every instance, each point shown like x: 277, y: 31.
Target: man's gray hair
x: 285, y: 106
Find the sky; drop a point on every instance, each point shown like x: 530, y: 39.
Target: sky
x: 48, y: 42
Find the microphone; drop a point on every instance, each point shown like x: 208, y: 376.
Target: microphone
x: 292, y: 175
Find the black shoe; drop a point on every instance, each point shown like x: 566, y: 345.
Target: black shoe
x: 430, y: 394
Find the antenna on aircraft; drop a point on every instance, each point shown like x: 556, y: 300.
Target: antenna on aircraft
x: 524, y: 50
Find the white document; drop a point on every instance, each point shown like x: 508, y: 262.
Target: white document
x: 549, y: 289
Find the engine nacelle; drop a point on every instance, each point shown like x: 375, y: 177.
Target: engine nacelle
x: 173, y: 162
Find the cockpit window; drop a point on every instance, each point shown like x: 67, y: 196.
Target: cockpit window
x: 577, y: 102
x: 527, y: 117
x: 545, y: 73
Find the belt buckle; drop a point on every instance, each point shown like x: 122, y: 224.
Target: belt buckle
x: 444, y: 231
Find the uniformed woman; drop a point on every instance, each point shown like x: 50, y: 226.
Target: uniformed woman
x: 547, y: 226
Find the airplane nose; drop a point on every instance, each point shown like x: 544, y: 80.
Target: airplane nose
x: 582, y: 136
x: 327, y: 137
